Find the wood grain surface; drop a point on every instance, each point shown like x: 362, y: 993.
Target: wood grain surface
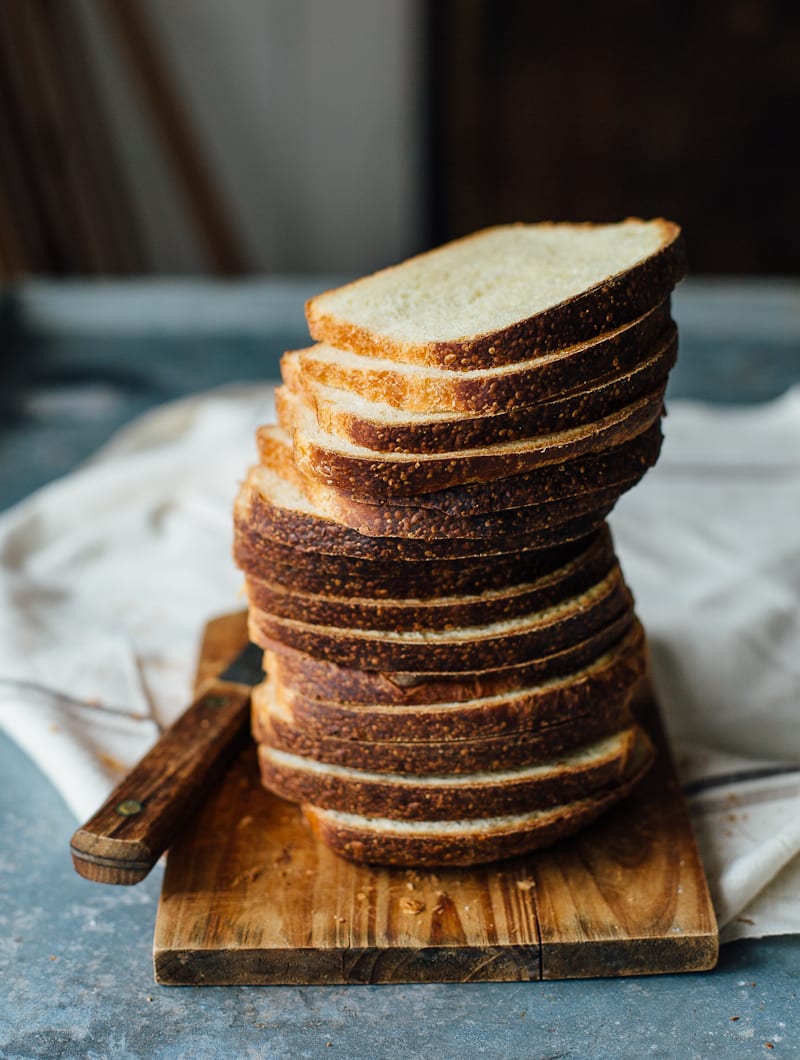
x: 250, y: 897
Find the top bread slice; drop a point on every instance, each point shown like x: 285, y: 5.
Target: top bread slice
x: 504, y: 294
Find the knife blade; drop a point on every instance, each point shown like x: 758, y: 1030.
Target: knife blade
x: 124, y: 839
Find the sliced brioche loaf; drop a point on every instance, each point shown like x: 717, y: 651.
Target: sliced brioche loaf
x: 481, y: 391
x: 378, y: 425
x: 504, y: 294
x: 433, y: 843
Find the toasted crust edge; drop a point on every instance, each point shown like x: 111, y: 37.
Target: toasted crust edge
x: 606, y: 305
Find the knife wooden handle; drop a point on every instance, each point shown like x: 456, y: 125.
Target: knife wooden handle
x: 135, y: 825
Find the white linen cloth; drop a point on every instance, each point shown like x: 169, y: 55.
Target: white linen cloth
x: 108, y: 576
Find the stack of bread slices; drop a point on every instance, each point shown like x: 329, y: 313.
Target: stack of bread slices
x: 450, y: 648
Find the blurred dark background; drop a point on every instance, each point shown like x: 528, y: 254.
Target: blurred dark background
x: 603, y: 110
x: 300, y: 136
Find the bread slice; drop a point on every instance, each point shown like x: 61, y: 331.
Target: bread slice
x: 481, y: 391
x: 303, y: 571
x: 504, y: 294
x: 468, y: 648
x: 423, y: 523
x: 355, y: 469
x: 270, y: 508
x: 614, y: 466
x: 316, y: 678
x: 605, y: 681
x: 378, y: 425
x: 273, y: 724
x: 403, y: 796
x: 441, y: 612
x: 433, y: 843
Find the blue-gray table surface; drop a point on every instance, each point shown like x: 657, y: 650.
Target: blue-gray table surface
x: 76, y: 361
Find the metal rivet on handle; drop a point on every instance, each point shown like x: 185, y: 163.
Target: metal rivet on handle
x: 129, y: 808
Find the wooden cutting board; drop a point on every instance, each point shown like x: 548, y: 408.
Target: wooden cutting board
x: 249, y: 896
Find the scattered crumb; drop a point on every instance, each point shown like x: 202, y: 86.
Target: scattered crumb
x: 409, y: 885
x: 768, y: 1045
x: 53, y: 957
x: 361, y: 896
x: 245, y: 821
x: 339, y: 919
x: 735, y: 1018
x: 438, y: 910
x: 328, y: 1045
x: 149, y: 998
x: 525, y: 885
x: 412, y: 906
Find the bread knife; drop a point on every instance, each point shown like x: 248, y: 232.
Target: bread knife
x: 138, y: 821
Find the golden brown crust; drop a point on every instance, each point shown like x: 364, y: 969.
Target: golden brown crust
x: 303, y: 571
x: 424, y: 523
x: 603, y: 307
x: 310, y: 533
x: 529, y: 383
x: 422, y: 798
x: 616, y: 465
x: 608, y: 680
x: 318, y: 678
x: 361, y: 844
x: 439, y: 757
x: 613, y: 466
x: 526, y: 638
x: 442, y: 613
x: 462, y: 432
x: 402, y: 476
